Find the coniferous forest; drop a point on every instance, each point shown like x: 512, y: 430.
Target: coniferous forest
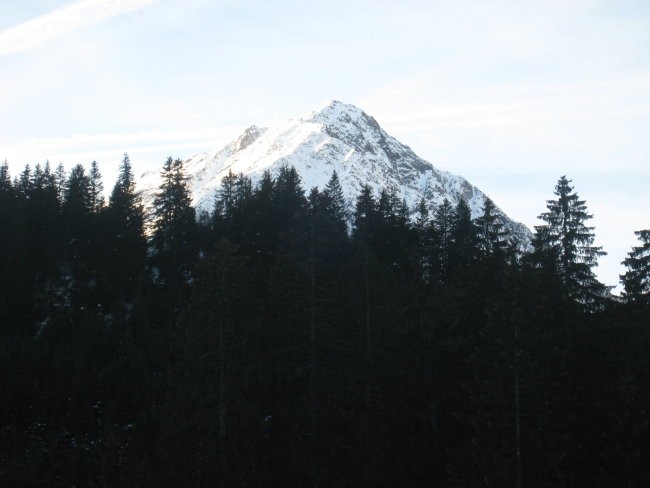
x: 293, y: 339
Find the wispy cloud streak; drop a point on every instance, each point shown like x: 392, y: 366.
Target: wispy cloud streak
x: 154, y: 146
x: 61, y: 21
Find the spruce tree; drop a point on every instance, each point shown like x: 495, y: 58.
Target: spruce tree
x: 174, y: 233
x: 78, y: 234
x: 77, y: 191
x: 289, y: 210
x: 125, y: 232
x: 77, y: 208
x: 44, y: 219
x: 243, y: 190
x: 9, y: 241
x: 96, y: 188
x: 443, y: 225
x: 124, y: 202
x: 424, y: 249
x: 491, y: 234
x: 335, y: 200
x: 60, y: 178
x: 23, y: 183
x: 565, y: 243
x: 5, y: 180
x: 365, y: 213
x: 636, y: 279
x: 391, y: 229
x: 288, y: 197
x: 225, y: 201
x: 334, y: 207
x: 260, y: 228
x: 463, y: 251
x: 230, y: 218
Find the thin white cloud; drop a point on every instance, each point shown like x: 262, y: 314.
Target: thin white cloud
x: 61, y: 21
x: 90, y: 146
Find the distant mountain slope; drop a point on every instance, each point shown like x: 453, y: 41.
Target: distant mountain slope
x: 337, y: 137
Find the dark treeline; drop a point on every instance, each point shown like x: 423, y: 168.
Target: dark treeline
x: 292, y: 339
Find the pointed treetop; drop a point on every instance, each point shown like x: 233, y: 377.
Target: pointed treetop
x: 636, y: 279
x: 5, y: 179
x: 565, y: 245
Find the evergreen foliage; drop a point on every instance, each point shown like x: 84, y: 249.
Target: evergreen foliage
x: 444, y: 228
x: 96, y: 188
x: 307, y: 346
x: 565, y: 244
x: 490, y: 232
x: 636, y: 279
x: 174, y: 240
x: 124, y: 261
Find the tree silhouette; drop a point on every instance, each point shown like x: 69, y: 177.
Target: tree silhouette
x: 636, y: 279
x: 566, y: 243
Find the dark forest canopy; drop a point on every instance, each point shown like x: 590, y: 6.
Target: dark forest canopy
x: 291, y: 338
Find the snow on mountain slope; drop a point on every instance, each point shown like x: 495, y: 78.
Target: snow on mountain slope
x: 337, y: 137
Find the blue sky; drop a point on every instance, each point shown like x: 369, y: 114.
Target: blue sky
x: 510, y: 95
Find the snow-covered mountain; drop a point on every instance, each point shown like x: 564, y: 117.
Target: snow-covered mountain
x: 337, y: 137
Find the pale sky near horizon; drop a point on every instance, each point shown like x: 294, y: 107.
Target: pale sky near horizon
x: 511, y: 94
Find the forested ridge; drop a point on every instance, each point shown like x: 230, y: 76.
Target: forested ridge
x: 293, y: 339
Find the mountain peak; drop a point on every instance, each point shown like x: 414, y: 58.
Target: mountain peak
x: 336, y: 137
x: 335, y: 112
x: 250, y: 135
